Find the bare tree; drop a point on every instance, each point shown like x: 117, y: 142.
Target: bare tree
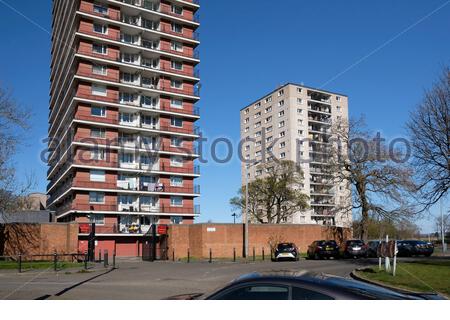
x: 381, y: 182
x: 277, y: 196
x: 429, y: 131
x: 13, y: 122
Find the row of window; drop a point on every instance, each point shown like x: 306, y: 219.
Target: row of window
x: 99, y: 198
x: 125, y: 117
x: 100, y: 176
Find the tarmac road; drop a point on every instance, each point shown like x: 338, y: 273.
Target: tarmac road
x: 137, y: 280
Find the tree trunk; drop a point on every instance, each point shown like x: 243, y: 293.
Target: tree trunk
x: 364, y: 228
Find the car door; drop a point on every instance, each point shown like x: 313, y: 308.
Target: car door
x: 301, y: 293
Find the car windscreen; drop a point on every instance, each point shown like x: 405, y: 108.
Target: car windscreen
x: 327, y: 243
x: 355, y: 243
x: 283, y: 246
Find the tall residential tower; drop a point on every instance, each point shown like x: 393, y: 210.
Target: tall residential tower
x: 294, y: 123
x: 124, y: 86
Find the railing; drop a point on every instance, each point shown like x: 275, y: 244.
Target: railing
x: 138, y: 229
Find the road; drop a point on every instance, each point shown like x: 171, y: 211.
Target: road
x: 137, y: 280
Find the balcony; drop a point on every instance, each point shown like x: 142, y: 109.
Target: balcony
x: 115, y: 229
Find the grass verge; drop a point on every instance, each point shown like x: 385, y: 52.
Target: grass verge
x: 420, y: 276
x: 26, y: 265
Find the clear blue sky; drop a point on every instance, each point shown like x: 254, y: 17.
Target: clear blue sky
x: 248, y: 48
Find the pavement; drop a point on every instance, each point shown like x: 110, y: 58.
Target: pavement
x: 137, y: 280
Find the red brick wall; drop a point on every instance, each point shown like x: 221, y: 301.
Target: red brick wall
x: 35, y: 239
x: 226, y: 237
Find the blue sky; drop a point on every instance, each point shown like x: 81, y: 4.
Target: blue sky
x: 250, y: 47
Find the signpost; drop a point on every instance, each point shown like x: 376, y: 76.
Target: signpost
x: 388, y: 250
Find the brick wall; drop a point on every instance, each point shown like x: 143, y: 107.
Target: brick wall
x: 223, y: 238
x: 39, y: 239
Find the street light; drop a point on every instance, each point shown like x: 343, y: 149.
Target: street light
x: 234, y: 215
x: 246, y: 213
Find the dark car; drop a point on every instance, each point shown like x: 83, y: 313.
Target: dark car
x: 323, y: 249
x: 286, y: 251
x: 372, y: 248
x: 303, y: 286
x: 409, y: 248
x: 353, y: 249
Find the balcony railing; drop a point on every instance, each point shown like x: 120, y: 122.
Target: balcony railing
x: 113, y: 229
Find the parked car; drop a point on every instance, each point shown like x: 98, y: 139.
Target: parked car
x: 372, y: 248
x: 323, y: 249
x: 409, y: 248
x: 303, y: 286
x: 353, y: 249
x: 286, y: 251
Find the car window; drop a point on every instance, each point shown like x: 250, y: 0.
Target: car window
x: 305, y: 294
x: 258, y: 292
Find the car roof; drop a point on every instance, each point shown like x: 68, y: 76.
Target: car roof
x: 335, y: 286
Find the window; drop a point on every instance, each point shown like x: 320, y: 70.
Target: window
x: 126, y: 200
x: 127, y: 158
x: 304, y: 294
x: 148, y: 201
x: 281, y: 124
x: 268, y: 99
x: 98, y: 111
x: 338, y: 108
x: 299, y: 101
x: 97, y: 154
x: 257, y: 115
x: 100, y: 28
x: 280, y: 93
x: 282, y: 155
x: 258, y: 143
x: 300, y: 132
x: 258, y: 153
x: 100, y: 9
x: 98, y: 133
x: 127, y: 77
x: 247, y: 148
x: 146, y: 160
x: 281, y: 113
x: 176, y: 142
x: 269, y: 139
x: 178, y: 28
x: 258, y: 124
x: 258, y: 173
x: 99, y: 90
x: 97, y: 176
x: 96, y: 197
x: 98, y: 219
x: 176, y: 201
x: 126, y: 97
x: 257, y: 105
x: 176, y: 220
x: 282, y: 145
x: 126, y: 117
x: 176, y: 46
x: 300, y: 122
x: 281, y: 103
x: 99, y: 48
x: 269, y: 129
x: 282, y: 134
x: 268, y: 119
x: 257, y: 292
x: 99, y: 69
x: 338, y: 98
x: 177, y: 9
x: 176, y: 103
x: 247, y: 129
x: 177, y: 65
x: 176, y: 181
x: 176, y: 161
x: 258, y: 134
x: 268, y: 109
x: 247, y: 111
x: 246, y: 120
x: 129, y: 58
x: 177, y: 84
x: 299, y: 90
x: 299, y: 111
x: 150, y: 121
x: 176, y: 122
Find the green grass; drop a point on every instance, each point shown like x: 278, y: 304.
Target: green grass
x: 11, y: 265
x: 420, y: 276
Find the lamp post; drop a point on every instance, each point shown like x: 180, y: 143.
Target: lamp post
x: 234, y: 215
x: 444, y: 249
x: 246, y: 212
